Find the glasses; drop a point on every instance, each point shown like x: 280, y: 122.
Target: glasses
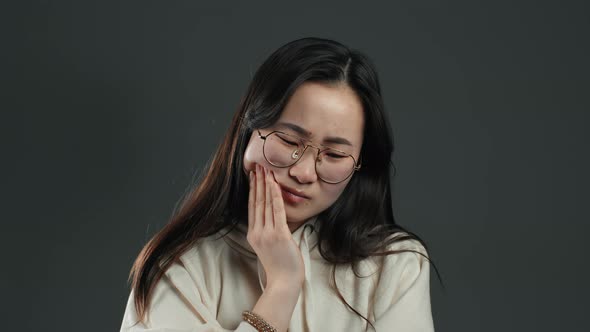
x: 284, y: 150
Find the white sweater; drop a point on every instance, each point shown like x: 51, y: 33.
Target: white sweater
x: 218, y: 278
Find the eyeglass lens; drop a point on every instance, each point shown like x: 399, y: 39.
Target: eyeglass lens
x: 283, y: 150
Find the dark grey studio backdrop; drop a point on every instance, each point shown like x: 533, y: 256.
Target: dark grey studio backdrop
x: 111, y: 109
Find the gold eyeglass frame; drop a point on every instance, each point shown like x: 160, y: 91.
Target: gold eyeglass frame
x: 304, y: 142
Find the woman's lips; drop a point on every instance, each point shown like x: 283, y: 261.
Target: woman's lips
x: 291, y: 198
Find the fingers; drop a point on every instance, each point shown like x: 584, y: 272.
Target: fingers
x: 278, y: 207
x: 259, y: 206
x: 265, y: 202
x: 251, y: 201
x: 268, y: 219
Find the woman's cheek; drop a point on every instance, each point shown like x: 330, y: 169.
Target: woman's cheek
x: 252, y: 156
x: 333, y: 191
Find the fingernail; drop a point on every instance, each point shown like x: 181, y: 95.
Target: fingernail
x: 250, y: 175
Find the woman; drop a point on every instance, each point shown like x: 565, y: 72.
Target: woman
x: 292, y: 225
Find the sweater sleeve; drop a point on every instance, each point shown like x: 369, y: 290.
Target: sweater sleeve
x: 402, y: 300
x: 176, y: 307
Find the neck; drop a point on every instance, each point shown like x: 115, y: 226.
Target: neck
x: 293, y: 226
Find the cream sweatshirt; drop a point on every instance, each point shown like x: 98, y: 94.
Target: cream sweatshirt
x: 219, y: 277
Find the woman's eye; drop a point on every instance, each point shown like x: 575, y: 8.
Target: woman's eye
x: 288, y: 141
x: 335, y: 156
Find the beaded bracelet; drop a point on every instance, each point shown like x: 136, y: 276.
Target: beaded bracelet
x: 257, y: 321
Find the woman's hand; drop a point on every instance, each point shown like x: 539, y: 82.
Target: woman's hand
x: 269, y: 235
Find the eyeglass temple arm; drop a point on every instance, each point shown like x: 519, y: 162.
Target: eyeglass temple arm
x: 357, y: 167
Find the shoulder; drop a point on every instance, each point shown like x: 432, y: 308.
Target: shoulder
x: 401, y: 297
x: 404, y: 242
x: 402, y: 260
x: 203, y: 253
x: 200, y: 262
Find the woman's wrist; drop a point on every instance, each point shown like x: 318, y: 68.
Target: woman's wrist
x: 284, y: 287
x: 285, y: 282
x: 277, y: 303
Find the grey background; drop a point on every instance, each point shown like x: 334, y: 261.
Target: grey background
x: 110, y: 109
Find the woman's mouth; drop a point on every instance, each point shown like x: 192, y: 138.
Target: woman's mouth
x: 292, y: 198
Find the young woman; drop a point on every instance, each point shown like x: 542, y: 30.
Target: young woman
x: 291, y: 227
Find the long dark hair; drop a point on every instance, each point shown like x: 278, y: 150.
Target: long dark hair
x: 347, y: 234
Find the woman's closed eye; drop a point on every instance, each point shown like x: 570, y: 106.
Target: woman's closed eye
x: 335, y: 155
x: 288, y: 141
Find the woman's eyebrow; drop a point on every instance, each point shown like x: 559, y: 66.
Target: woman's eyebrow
x: 307, y: 134
x: 295, y: 128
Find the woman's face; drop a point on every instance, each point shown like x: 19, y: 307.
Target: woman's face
x: 324, y: 112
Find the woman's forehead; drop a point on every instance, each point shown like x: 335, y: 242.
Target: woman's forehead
x: 318, y: 111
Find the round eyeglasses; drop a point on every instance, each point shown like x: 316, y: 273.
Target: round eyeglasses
x: 284, y: 150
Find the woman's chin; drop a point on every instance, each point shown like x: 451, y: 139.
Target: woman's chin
x: 297, y: 219
x: 294, y: 219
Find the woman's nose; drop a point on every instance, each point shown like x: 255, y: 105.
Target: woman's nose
x: 304, y: 169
